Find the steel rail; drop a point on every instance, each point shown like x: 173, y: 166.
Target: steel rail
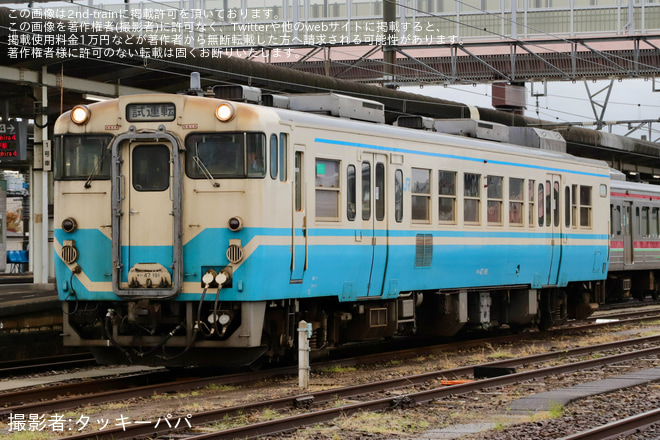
x: 11, y: 368
x: 156, y: 382
x: 618, y: 428
x: 284, y: 424
x: 288, y: 423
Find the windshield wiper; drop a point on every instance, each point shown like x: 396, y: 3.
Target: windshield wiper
x: 97, y: 168
x: 205, y: 171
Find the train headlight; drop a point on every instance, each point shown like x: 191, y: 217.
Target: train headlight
x: 224, y: 112
x: 69, y: 225
x: 224, y: 319
x: 80, y: 114
x: 235, y: 224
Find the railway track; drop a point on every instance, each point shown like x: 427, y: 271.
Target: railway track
x: 38, y: 365
x: 376, y: 404
x: 618, y: 428
x: 104, y: 390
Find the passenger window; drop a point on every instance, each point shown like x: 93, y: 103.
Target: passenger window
x: 283, y: 157
x: 380, y: 191
x: 366, y: 190
x: 654, y: 223
x: 273, y: 156
x: 645, y: 222
x: 447, y: 197
x: 531, y: 194
x: 516, y: 200
x: 494, y: 203
x: 555, y: 209
x: 351, y: 199
x: 574, y: 207
x: 567, y: 206
x: 541, y: 213
x: 548, y: 203
x: 298, y: 180
x: 327, y: 189
x: 585, y: 206
x: 421, y: 195
x: 618, y: 220
x: 472, y: 195
x: 398, y: 196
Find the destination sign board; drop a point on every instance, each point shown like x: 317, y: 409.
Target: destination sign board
x: 13, y: 141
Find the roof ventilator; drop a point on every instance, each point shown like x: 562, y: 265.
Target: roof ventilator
x: 238, y: 93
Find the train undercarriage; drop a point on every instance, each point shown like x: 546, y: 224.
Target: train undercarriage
x: 175, y: 333
x: 629, y: 284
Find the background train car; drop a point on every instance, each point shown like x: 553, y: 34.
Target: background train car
x: 195, y: 230
x: 635, y: 244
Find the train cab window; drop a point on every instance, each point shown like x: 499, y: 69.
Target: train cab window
x: 421, y: 195
x: 471, y: 198
x: 273, y: 156
x: 398, y: 196
x: 82, y: 157
x: 585, y: 206
x: 516, y: 201
x: 655, y: 226
x: 150, y: 166
x: 327, y: 189
x: 644, y: 230
x: 530, y: 195
x: 541, y: 211
x: 225, y: 155
x: 351, y: 194
x: 567, y: 206
x: 366, y: 190
x: 256, y: 155
x: 283, y: 143
x: 494, y: 203
x: 447, y: 197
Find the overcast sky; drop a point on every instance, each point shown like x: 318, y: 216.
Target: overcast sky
x: 569, y: 102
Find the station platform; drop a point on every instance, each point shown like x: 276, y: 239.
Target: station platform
x: 19, y: 296
x: 30, y: 319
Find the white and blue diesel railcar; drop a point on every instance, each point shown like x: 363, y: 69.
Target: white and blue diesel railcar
x: 193, y: 230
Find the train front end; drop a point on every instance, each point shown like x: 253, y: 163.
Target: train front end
x: 152, y: 195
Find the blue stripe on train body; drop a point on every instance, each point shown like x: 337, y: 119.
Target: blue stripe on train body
x: 342, y: 271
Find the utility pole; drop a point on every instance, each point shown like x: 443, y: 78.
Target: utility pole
x: 389, y: 53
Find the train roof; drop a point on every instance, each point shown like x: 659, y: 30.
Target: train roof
x: 635, y: 188
x: 377, y: 129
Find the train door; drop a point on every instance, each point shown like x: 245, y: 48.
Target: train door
x: 628, y: 242
x: 299, y: 218
x: 554, y: 224
x: 146, y: 228
x: 374, y: 201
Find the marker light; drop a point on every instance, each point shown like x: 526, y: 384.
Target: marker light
x: 235, y: 224
x: 224, y: 112
x: 80, y: 114
x: 69, y: 225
